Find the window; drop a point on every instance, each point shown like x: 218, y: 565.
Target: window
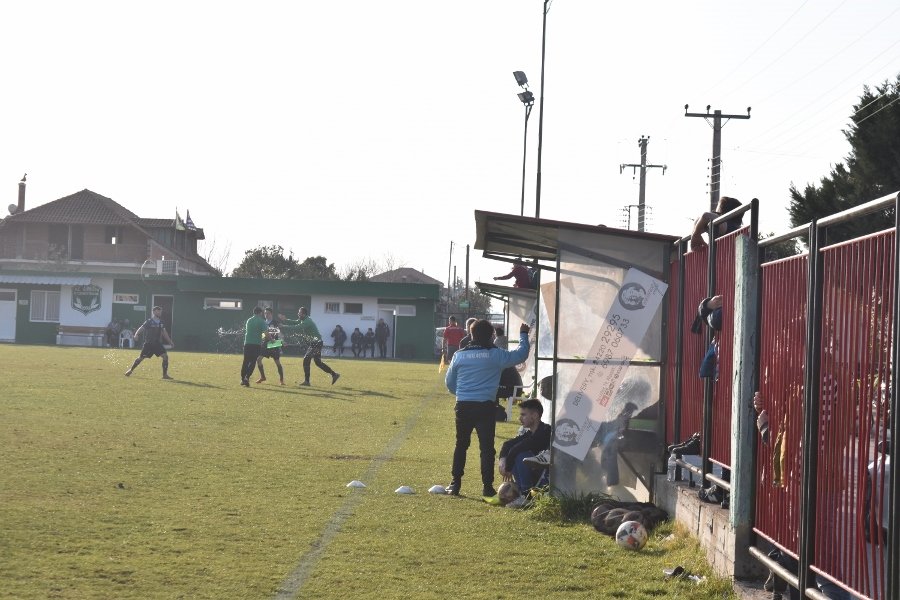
x: 44, y: 306
x: 406, y: 310
x: 222, y: 304
x: 353, y: 308
x: 332, y: 307
x: 126, y: 298
x: 113, y: 234
x: 264, y: 304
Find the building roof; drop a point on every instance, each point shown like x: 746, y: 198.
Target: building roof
x: 404, y: 275
x: 84, y: 207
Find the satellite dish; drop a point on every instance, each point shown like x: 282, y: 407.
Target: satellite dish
x: 12, y: 208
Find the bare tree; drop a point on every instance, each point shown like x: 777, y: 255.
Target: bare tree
x: 217, y: 255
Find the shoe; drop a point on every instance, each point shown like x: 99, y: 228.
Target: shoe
x: 245, y: 382
x: 488, y: 491
x: 334, y: 377
x: 453, y: 488
x: 128, y: 373
x: 304, y: 383
x: 167, y: 377
x: 282, y: 382
x: 541, y: 459
x: 518, y: 502
x: 675, y: 572
x: 689, y: 446
x: 712, y: 494
x: 260, y: 380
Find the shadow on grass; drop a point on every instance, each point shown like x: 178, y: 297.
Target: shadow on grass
x: 194, y: 384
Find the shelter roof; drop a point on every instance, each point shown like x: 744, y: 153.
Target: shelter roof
x: 505, y: 235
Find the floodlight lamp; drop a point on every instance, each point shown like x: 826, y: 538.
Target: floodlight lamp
x: 526, y: 97
x: 521, y: 80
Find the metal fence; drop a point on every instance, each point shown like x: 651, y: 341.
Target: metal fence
x: 826, y: 329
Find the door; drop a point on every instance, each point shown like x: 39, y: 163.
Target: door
x: 7, y: 315
x: 167, y: 303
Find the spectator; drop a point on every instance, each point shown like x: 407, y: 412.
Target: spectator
x: 500, y: 339
x: 467, y: 339
x: 340, y: 338
x: 473, y: 378
x: 533, y: 440
x: 112, y: 333
x: 369, y: 342
x: 382, y: 333
x: 453, y: 333
x: 701, y: 225
x: 356, y: 342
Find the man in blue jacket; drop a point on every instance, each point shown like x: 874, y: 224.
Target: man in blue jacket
x: 473, y: 377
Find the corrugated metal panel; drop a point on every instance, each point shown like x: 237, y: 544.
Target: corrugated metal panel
x: 44, y: 279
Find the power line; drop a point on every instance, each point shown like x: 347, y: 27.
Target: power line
x: 797, y: 43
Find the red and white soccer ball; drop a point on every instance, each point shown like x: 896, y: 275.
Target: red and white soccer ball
x: 631, y: 535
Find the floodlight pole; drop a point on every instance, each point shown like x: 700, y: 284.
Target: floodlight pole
x: 537, y: 195
x: 528, y: 108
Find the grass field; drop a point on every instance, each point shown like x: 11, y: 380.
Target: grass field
x: 115, y: 487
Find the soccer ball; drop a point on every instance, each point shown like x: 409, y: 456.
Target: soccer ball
x: 507, y: 492
x: 631, y: 535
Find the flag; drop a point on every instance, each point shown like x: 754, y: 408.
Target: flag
x: 188, y: 223
x: 179, y: 224
x: 442, y: 365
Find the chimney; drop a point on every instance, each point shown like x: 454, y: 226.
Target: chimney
x: 21, y: 207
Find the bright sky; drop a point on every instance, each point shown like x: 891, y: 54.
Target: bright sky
x: 362, y: 129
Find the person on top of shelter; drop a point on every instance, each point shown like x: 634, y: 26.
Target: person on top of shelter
x: 521, y: 273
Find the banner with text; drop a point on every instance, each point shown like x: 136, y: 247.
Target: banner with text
x: 586, y: 405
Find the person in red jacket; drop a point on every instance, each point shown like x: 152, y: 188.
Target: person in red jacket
x: 453, y: 333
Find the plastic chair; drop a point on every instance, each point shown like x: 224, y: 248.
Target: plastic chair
x: 126, y: 339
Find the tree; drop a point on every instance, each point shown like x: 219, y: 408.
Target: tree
x: 267, y: 262
x: 215, y: 255
x: 872, y: 168
x: 316, y: 267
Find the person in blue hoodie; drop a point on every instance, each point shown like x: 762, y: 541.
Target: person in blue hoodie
x: 473, y: 377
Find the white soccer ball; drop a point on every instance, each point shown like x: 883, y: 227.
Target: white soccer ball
x: 631, y: 535
x: 507, y: 492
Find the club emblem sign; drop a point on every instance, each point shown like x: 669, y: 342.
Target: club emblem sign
x: 86, y: 298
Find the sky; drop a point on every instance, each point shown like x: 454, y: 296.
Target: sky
x: 362, y: 130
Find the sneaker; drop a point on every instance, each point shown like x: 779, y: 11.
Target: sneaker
x: 453, y: 488
x: 128, y: 373
x: 488, y: 491
x: 282, y: 382
x: 166, y: 376
x: 260, y: 380
x: 518, y: 502
x: 712, y: 494
x: 541, y: 459
x: 334, y: 377
x: 304, y: 383
x: 245, y: 382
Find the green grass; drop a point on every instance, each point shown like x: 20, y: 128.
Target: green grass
x: 115, y: 487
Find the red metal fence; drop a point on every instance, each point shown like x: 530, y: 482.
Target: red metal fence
x: 834, y: 420
x: 782, y: 351
x: 855, y: 357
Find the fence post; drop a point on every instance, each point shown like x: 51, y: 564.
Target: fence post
x: 743, y: 429
x: 893, y: 567
x: 811, y: 411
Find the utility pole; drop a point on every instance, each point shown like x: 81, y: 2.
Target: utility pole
x: 642, y: 193
x: 537, y: 192
x: 715, y: 174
